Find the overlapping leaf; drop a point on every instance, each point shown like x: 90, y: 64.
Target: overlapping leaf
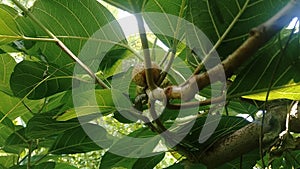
x: 8, y: 25
x: 76, y: 140
x: 37, y: 80
x: 227, y: 125
x: 74, y: 22
x: 14, y: 107
x: 111, y: 160
x: 246, y: 161
x: 45, y: 125
x: 132, y: 6
x: 254, y: 80
x: 16, y: 142
x: 87, y: 106
x: 7, y: 161
x: 7, y: 64
x: 160, y: 16
x: 5, y: 133
x: 227, y: 23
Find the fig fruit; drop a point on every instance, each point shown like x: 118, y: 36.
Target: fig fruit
x: 139, y: 74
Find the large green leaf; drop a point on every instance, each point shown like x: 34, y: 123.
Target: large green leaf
x: 171, y: 11
x: 110, y: 160
x: 45, y: 165
x: 77, y: 141
x: 6, y: 121
x: 254, y: 80
x: 74, y: 22
x: 107, y: 102
x: 227, y: 23
x: 16, y: 142
x: 14, y: 107
x: 149, y: 162
x: 8, y: 160
x: 132, y: 6
x: 245, y: 161
x: 183, y: 164
x: 241, y: 107
x: 44, y: 125
x: 7, y: 64
x: 142, y: 142
x: 4, y: 134
x: 64, y: 166
x: 8, y: 25
x: 227, y: 125
x: 156, y: 11
x: 37, y: 80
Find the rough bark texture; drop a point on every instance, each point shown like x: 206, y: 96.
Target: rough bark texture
x: 247, y: 138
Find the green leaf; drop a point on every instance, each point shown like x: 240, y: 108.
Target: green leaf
x: 172, y: 29
x: 183, y: 164
x: 14, y: 107
x: 7, y: 64
x: 176, y: 166
x: 8, y: 160
x: 74, y: 22
x: 227, y: 23
x: 8, y: 25
x: 110, y: 160
x: 241, y: 107
x: 45, y: 125
x: 6, y: 121
x: 227, y: 125
x: 38, y: 80
x: 16, y: 142
x: 139, y: 143
x: 4, y: 134
x: 254, y: 80
x: 132, y: 6
x: 113, y: 62
x: 289, y: 159
x: 18, y: 167
x: 149, y: 162
x: 105, y: 103
x: 64, y: 166
x: 246, y: 161
x: 46, y: 165
x: 77, y: 141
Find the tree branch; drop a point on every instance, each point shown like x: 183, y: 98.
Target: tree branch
x: 246, y: 139
x: 258, y: 37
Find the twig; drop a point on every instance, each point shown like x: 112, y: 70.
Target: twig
x: 196, y: 104
x: 165, y: 71
x: 61, y: 45
x: 153, y: 52
x: 164, y: 58
x: 147, y: 59
x: 28, y: 38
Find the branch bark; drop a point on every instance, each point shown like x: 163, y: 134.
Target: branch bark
x: 246, y: 139
x: 258, y: 37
